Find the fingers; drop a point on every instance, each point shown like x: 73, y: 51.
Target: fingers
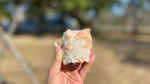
x: 86, y: 66
x: 58, y: 60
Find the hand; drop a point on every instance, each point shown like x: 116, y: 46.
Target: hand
x: 68, y: 74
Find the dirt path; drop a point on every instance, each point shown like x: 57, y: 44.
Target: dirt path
x: 112, y: 65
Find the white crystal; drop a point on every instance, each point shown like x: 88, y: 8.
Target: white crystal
x: 77, y: 50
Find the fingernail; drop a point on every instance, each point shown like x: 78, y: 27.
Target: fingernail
x: 55, y: 44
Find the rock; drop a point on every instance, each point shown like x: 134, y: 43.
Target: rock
x: 77, y: 46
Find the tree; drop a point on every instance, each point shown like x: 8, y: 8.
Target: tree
x: 69, y: 7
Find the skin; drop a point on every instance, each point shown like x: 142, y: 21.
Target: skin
x: 68, y: 74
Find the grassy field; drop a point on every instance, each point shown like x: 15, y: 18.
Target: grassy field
x: 117, y: 62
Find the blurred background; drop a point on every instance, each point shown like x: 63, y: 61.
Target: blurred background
x: 120, y: 31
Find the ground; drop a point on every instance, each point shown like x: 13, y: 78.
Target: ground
x: 117, y: 61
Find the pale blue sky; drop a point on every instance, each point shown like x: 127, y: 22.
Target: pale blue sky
x: 119, y: 10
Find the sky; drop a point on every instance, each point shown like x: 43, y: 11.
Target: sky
x: 119, y: 10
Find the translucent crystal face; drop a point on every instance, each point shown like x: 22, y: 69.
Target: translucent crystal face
x: 75, y: 50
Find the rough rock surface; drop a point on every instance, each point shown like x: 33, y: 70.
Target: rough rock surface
x: 77, y: 46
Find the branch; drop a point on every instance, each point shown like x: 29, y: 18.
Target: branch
x: 19, y: 57
x: 13, y: 27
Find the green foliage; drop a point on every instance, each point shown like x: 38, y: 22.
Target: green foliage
x: 3, y: 14
x: 37, y: 6
x: 70, y: 7
x: 77, y: 5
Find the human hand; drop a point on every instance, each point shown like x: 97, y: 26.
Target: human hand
x: 68, y: 74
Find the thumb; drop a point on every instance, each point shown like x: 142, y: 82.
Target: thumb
x: 58, y: 60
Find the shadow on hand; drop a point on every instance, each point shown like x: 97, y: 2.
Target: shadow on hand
x: 70, y: 67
